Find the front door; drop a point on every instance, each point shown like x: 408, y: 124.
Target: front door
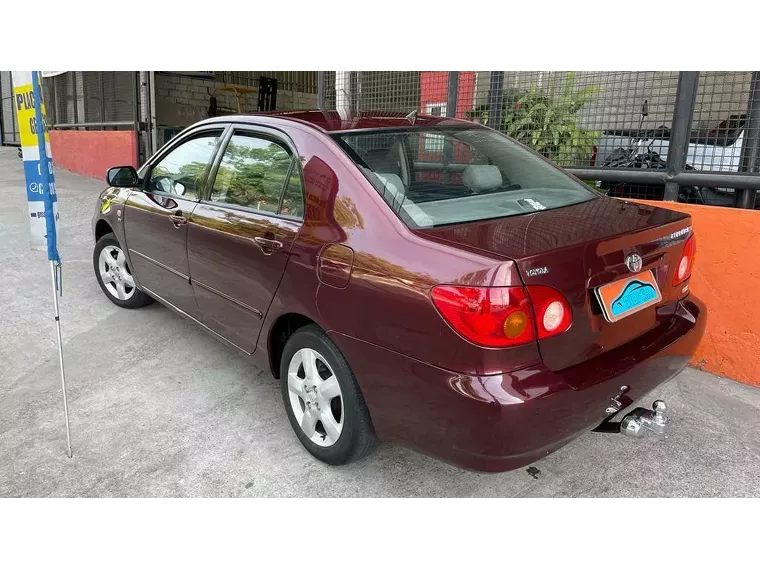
x: 156, y: 217
x: 239, y: 239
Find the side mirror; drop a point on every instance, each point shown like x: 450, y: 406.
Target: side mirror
x: 122, y: 177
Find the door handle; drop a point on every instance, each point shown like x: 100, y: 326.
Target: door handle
x: 267, y: 245
x: 178, y: 219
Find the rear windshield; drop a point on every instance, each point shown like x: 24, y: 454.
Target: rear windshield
x: 433, y: 177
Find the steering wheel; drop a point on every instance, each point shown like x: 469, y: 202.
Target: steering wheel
x: 163, y: 184
x: 168, y: 185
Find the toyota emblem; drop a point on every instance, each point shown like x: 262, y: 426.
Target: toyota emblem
x: 634, y: 262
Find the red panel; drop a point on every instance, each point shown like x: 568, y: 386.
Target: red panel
x: 466, y: 95
x: 91, y: 153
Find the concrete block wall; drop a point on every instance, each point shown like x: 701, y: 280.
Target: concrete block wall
x: 183, y: 100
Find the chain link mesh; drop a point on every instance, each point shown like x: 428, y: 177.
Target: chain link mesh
x: 610, y: 120
x: 597, y: 121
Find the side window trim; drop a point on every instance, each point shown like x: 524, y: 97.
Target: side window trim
x: 147, y: 169
x: 191, y: 132
x: 266, y: 134
x: 211, y: 174
x: 286, y: 184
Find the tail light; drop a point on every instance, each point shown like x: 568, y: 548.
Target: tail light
x: 500, y: 317
x: 686, y: 262
x: 553, y: 315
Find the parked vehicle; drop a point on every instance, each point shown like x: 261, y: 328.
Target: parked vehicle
x: 641, y: 156
x: 417, y: 279
x: 717, y: 150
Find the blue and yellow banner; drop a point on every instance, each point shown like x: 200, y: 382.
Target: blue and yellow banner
x: 38, y: 165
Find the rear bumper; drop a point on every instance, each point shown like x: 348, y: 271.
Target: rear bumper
x: 502, y: 422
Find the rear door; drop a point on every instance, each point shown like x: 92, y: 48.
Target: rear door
x: 156, y: 217
x: 241, y: 233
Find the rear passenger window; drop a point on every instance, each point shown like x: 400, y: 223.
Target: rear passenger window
x: 252, y: 173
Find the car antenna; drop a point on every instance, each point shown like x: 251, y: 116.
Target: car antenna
x: 411, y: 117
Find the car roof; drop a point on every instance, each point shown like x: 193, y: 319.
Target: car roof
x: 333, y: 121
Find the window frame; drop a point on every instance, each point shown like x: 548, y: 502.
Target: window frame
x: 147, y: 169
x: 264, y: 133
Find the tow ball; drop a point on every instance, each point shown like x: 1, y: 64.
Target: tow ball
x: 639, y: 421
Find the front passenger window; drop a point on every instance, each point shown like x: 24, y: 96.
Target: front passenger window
x: 182, y: 171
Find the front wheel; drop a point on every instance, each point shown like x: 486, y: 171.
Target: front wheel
x: 114, y: 274
x: 322, y: 399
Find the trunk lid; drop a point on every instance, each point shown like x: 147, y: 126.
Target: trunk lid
x: 578, y: 248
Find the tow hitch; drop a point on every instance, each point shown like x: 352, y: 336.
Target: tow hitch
x: 639, y: 421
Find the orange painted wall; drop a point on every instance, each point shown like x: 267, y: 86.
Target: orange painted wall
x: 727, y: 278
x: 92, y: 152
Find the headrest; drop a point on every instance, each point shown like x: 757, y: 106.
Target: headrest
x: 481, y: 177
x: 393, y: 184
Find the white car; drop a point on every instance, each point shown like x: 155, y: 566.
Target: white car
x: 715, y: 150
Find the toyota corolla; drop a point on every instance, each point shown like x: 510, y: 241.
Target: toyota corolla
x: 415, y: 279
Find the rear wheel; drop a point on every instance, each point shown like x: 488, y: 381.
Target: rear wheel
x: 114, y: 274
x: 322, y: 399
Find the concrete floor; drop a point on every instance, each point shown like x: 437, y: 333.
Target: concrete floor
x: 161, y: 408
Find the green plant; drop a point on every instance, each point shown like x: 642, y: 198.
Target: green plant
x: 548, y: 123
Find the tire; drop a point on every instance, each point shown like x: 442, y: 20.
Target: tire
x: 313, y: 394
x: 117, y: 282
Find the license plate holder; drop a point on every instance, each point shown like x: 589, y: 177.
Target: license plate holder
x: 627, y: 296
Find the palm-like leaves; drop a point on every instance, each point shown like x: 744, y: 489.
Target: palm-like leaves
x: 548, y: 124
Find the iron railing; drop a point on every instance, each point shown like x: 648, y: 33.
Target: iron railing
x: 9, y: 133
x: 687, y: 136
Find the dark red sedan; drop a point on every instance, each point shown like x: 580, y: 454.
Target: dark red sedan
x: 414, y: 279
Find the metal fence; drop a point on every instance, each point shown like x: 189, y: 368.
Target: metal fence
x: 93, y: 100
x: 9, y: 133
x: 687, y: 136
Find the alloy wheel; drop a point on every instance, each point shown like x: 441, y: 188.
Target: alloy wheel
x: 315, y: 397
x: 114, y: 273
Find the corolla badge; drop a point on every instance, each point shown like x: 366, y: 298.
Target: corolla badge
x: 634, y: 262
x: 635, y: 294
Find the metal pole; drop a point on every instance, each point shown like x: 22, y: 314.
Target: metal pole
x: 54, y: 267
x: 321, y: 90
x: 452, y: 95
x: 102, y: 97
x: 750, y: 157
x: 54, y: 111
x: 660, y: 177
x: 144, y: 112
x: 355, y: 80
x: 10, y: 87
x: 153, y: 125
x: 680, y: 132
x: 495, y: 99
x: 75, y: 95
x: 136, y: 115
